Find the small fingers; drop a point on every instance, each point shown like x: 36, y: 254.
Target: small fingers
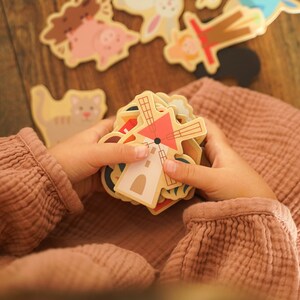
x: 217, y: 147
x: 194, y: 175
x: 106, y: 154
x: 103, y: 127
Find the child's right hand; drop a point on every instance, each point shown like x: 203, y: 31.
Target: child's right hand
x: 230, y: 176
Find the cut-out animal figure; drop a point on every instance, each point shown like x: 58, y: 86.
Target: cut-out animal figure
x: 200, y: 42
x: 84, y: 32
x: 104, y: 41
x: 211, y: 4
x: 160, y: 16
x: 270, y: 8
x: 58, y: 120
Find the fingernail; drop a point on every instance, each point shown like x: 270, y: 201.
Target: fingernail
x: 141, y: 152
x: 170, y: 166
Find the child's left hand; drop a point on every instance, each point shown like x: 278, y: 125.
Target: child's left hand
x: 81, y: 156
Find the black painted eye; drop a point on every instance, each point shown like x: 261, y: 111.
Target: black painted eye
x: 81, y: 17
x: 91, y: 108
x: 80, y: 108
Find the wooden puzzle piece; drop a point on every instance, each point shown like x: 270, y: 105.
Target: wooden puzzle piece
x: 271, y: 9
x: 210, y: 4
x: 161, y: 207
x: 238, y: 63
x: 84, y: 31
x: 180, y: 103
x: 200, y: 42
x: 76, y: 111
x: 160, y: 16
x: 163, y: 135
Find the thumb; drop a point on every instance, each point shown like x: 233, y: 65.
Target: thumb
x: 197, y: 176
x: 111, y: 153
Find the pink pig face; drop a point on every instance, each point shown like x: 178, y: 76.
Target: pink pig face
x: 95, y: 38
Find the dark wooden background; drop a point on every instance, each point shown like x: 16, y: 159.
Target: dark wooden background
x: 25, y: 62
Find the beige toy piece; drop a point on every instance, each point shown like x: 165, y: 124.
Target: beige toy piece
x: 84, y: 31
x: 200, y: 42
x: 58, y: 120
x: 210, y: 4
x: 271, y: 9
x: 160, y: 16
x: 163, y: 134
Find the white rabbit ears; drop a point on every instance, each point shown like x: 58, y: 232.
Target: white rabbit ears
x: 160, y: 16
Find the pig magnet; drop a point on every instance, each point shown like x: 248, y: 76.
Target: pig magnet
x: 84, y: 31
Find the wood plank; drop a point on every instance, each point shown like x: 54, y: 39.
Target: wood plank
x: 14, y: 113
x: 145, y: 68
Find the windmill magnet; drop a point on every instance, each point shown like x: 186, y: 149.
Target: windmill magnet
x: 160, y: 16
x: 84, y: 31
x: 161, y: 132
x: 199, y: 42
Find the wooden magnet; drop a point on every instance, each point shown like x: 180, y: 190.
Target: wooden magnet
x: 76, y: 111
x: 238, y: 63
x: 271, y: 9
x: 163, y: 135
x: 84, y: 31
x: 160, y: 16
x: 200, y: 42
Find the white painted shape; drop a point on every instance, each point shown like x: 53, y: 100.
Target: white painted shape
x: 153, y: 174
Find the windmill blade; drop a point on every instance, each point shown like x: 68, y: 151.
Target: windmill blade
x: 188, y: 131
x: 162, y: 156
x: 147, y: 111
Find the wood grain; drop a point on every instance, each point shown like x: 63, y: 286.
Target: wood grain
x: 14, y: 113
x: 145, y: 68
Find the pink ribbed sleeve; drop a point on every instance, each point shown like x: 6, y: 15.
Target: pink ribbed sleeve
x: 244, y: 243
x: 85, y: 268
x: 262, y: 129
x: 35, y: 193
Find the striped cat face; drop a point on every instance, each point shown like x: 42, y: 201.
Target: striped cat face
x: 85, y: 109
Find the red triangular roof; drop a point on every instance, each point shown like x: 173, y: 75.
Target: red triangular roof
x: 160, y: 128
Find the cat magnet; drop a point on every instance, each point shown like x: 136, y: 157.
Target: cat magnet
x: 271, y: 9
x: 200, y: 43
x: 210, y: 4
x: 160, y: 16
x: 76, y: 111
x: 84, y: 31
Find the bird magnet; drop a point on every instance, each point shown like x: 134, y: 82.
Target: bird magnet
x: 83, y: 31
x: 160, y: 16
x: 271, y: 9
x: 200, y: 42
x: 76, y: 111
x: 210, y: 4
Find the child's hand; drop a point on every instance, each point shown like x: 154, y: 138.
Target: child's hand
x: 81, y: 156
x: 230, y: 176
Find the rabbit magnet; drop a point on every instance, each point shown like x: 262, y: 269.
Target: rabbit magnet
x: 160, y: 16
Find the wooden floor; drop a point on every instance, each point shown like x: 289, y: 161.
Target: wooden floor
x: 25, y: 62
